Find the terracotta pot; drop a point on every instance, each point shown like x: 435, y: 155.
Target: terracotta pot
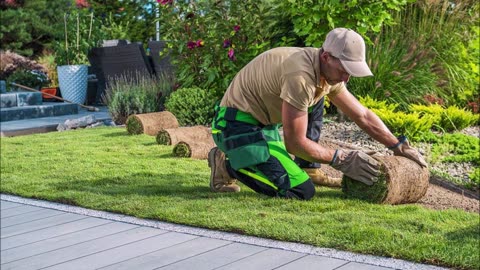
x: 49, y: 90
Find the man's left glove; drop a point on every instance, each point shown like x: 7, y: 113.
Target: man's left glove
x: 402, y: 148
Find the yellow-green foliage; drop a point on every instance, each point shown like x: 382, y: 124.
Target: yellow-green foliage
x: 375, y: 104
x: 433, y: 109
x: 455, y: 118
x: 449, y: 119
x: 413, y: 125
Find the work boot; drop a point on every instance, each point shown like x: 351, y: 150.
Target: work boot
x: 220, y: 180
x: 320, y: 178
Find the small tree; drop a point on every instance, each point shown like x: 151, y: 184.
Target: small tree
x: 29, y: 27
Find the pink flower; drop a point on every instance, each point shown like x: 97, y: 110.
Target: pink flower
x: 11, y: 3
x: 81, y: 3
x: 236, y: 28
x: 231, y: 55
x: 199, y: 43
x: 226, y: 43
x: 165, y: 2
x: 191, y: 45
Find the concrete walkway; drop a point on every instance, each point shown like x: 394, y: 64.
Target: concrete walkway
x: 43, y: 235
x: 47, y: 124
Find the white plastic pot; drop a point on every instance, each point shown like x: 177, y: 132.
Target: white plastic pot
x: 73, y: 80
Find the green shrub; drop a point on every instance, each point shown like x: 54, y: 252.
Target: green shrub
x: 413, y: 125
x: 456, y: 147
x: 416, y: 126
x: 413, y: 58
x: 191, y: 106
x: 372, y: 103
x: 475, y: 177
x: 31, y: 78
x: 210, y: 41
x: 455, y: 118
x: 312, y: 20
x: 136, y: 94
x: 449, y: 119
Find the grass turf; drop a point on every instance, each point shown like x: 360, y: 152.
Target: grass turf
x: 107, y: 169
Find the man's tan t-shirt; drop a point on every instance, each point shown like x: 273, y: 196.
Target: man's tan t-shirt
x: 286, y: 73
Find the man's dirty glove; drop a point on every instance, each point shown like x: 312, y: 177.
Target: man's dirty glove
x: 356, y: 165
x: 402, y: 148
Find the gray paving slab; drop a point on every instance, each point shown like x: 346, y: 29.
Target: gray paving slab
x: 312, y: 262
x: 361, y: 266
x: 15, y: 211
x: 66, y: 223
x: 40, y: 224
x: 267, y: 259
x: 6, y: 205
x: 29, y: 217
x: 216, y: 258
x: 65, y: 240
x: 124, y: 252
x: 83, y: 249
x: 212, y: 250
x: 169, y: 255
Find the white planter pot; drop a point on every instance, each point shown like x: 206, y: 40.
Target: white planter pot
x: 72, y: 80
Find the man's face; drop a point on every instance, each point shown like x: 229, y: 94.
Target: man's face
x: 333, y: 70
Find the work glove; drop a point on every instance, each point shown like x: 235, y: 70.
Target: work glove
x: 402, y: 148
x: 357, y: 165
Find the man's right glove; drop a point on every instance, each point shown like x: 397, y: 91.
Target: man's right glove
x: 402, y: 148
x: 357, y: 165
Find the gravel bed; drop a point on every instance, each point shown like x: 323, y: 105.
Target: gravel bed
x: 350, y: 133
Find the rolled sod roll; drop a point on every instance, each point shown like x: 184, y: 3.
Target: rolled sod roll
x: 401, y: 181
x: 172, y: 136
x: 196, y: 150
x: 150, y: 123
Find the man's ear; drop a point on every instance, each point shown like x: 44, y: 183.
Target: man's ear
x: 325, y: 56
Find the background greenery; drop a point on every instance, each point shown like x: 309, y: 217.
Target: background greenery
x: 136, y: 94
x: 107, y: 169
x: 413, y: 60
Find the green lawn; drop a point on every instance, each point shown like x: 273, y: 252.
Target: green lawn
x: 106, y: 169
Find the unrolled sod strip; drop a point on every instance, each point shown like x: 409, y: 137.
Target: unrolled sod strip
x: 401, y: 181
x: 172, y: 136
x: 150, y: 123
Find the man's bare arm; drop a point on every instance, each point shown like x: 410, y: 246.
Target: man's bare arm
x: 295, y: 124
x: 364, y: 118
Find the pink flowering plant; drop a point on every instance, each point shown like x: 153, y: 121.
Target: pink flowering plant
x: 210, y: 41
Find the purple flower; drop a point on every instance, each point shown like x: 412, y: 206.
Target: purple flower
x: 191, y: 45
x: 231, y: 55
x: 236, y: 28
x: 165, y: 2
x: 199, y: 43
x: 226, y: 43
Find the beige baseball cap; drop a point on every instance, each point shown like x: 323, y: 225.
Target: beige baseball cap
x: 348, y: 46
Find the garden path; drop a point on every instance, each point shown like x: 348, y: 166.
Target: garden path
x: 37, y: 234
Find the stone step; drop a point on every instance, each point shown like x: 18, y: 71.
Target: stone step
x: 20, y: 99
x: 48, y: 109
